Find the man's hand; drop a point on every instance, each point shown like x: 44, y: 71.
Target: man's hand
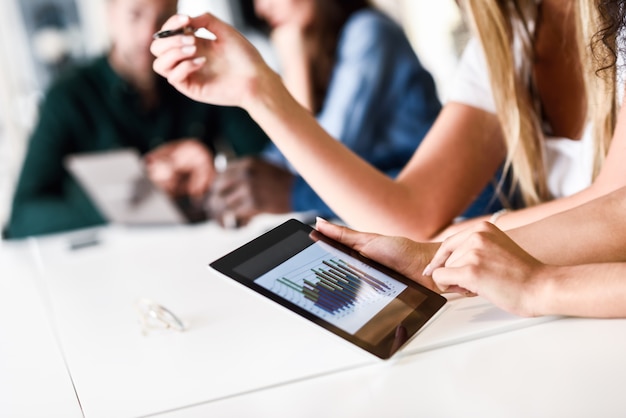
x: 223, y: 71
x: 181, y: 168
x: 248, y: 187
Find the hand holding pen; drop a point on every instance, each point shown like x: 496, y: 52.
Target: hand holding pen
x: 219, y: 71
x: 185, y: 30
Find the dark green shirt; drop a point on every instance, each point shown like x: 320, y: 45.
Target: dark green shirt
x: 93, y: 109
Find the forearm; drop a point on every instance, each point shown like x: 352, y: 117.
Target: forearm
x: 417, y: 204
x: 296, y: 76
x: 341, y: 178
x: 592, y: 290
x: 528, y: 215
x: 591, y: 233
x: 303, y: 199
x: 510, y: 220
x: 431, y: 191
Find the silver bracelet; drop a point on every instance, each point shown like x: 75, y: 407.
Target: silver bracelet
x: 496, y: 215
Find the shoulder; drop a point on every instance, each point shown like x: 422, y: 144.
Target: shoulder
x: 370, y: 28
x: 471, y: 84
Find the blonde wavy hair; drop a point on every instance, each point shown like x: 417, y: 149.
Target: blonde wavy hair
x: 500, y: 23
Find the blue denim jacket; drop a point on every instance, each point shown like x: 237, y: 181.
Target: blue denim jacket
x: 380, y: 101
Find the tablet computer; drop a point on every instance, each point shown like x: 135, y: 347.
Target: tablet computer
x: 333, y: 286
x: 117, y: 184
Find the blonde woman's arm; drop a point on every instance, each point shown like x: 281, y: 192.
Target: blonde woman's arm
x: 590, y: 233
x: 485, y: 261
x: 452, y: 165
x: 492, y: 265
x: 610, y: 178
x: 571, y: 263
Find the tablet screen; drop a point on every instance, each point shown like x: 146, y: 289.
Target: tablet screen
x: 333, y: 286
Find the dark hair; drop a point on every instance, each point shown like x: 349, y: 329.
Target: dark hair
x: 249, y: 17
x: 335, y: 14
x: 613, y: 21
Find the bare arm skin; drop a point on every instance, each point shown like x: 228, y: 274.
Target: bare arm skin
x: 571, y: 263
x: 457, y: 158
x: 488, y: 263
x: 591, y: 233
x: 610, y: 178
x: 483, y: 260
x: 400, y: 254
x: 454, y: 162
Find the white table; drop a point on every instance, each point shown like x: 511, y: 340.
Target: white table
x: 568, y: 368
x: 34, y: 380
x: 244, y: 356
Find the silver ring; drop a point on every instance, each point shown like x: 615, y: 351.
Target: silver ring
x: 148, y: 309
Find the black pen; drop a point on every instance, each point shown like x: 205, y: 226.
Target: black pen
x: 185, y: 30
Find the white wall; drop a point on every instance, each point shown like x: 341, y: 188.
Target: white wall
x: 94, y: 25
x: 433, y: 28
x: 92, y: 15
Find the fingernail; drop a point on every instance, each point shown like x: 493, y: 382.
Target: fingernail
x: 428, y: 271
x: 319, y: 220
x: 188, y: 50
x: 183, y: 18
x: 188, y: 40
x: 199, y: 60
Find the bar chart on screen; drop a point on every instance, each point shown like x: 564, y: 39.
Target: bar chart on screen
x: 333, y: 286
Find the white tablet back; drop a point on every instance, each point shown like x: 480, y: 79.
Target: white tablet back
x: 116, y: 182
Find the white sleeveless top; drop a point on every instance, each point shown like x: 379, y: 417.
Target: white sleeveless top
x: 569, y: 163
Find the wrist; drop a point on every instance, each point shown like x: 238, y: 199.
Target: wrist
x: 541, y: 294
x: 260, y: 89
x: 427, y: 251
x: 497, y: 215
x: 268, y: 100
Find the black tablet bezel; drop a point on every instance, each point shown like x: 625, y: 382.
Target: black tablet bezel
x: 389, y: 345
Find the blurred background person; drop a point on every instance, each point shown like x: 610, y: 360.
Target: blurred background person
x: 353, y: 68
x: 117, y: 101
